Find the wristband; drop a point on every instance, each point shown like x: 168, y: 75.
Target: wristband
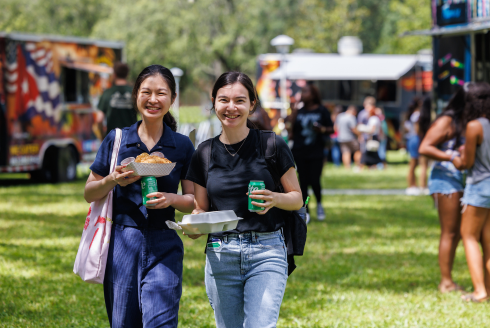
x: 453, y: 155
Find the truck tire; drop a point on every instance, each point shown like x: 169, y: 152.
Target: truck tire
x: 48, y: 171
x: 59, y: 165
x: 67, y: 164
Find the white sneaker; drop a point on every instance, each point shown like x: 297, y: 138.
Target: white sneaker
x: 424, y: 191
x: 412, y: 191
x: 307, y: 218
x: 320, y: 213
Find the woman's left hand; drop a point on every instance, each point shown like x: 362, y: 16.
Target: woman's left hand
x: 161, y: 199
x: 266, y: 195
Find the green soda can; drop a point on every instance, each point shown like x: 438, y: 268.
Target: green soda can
x: 148, y: 185
x: 255, y: 185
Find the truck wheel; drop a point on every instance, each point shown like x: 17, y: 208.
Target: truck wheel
x: 67, y: 164
x: 48, y: 171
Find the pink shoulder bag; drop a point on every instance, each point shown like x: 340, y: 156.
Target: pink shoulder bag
x: 92, y: 253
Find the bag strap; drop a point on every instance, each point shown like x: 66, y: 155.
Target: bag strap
x: 206, y: 147
x: 269, y: 151
x: 115, y: 149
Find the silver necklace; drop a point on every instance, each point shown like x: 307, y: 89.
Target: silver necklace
x: 233, y: 155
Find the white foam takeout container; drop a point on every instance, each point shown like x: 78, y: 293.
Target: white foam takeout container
x: 209, y: 222
x: 147, y: 169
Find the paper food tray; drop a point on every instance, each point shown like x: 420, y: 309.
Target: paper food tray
x: 149, y: 169
x: 206, y: 228
x: 210, y: 217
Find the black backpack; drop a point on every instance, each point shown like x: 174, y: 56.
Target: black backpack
x: 295, y: 226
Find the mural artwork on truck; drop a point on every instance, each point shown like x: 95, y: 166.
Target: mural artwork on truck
x: 49, y: 92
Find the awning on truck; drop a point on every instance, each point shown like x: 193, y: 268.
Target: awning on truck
x: 470, y: 28
x: 313, y: 66
x: 87, y: 67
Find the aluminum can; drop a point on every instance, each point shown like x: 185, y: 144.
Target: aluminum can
x: 255, y: 185
x: 148, y: 185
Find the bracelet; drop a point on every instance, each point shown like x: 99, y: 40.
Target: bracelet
x: 453, y: 155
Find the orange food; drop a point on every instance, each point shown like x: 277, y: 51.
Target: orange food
x: 146, y: 158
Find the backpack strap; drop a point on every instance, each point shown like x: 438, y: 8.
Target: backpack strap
x: 269, y: 151
x: 206, y: 147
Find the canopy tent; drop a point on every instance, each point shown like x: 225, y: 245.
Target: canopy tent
x: 312, y: 66
x: 470, y: 28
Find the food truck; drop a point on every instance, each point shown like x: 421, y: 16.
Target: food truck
x: 461, y: 45
x: 49, y: 87
x: 346, y: 80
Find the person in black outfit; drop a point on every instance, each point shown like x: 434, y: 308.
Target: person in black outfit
x: 311, y: 126
x: 244, y: 264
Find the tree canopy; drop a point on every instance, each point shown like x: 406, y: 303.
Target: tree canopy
x: 208, y: 37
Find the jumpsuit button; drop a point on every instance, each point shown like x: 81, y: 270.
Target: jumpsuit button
x: 138, y: 145
x: 146, y: 215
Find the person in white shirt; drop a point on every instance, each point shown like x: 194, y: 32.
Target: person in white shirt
x: 371, y: 130
x: 345, y: 126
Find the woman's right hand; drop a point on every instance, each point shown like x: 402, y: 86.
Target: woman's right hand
x: 195, y: 211
x: 123, y: 178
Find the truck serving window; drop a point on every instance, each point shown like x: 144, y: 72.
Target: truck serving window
x: 75, y: 85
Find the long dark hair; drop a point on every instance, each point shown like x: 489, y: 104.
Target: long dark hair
x: 454, y: 109
x: 477, y: 101
x: 413, y: 106
x: 316, y: 98
x: 230, y: 78
x: 165, y: 73
x: 425, y: 117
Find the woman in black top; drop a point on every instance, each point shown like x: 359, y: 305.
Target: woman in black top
x: 246, y: 269
x: 311, y: 126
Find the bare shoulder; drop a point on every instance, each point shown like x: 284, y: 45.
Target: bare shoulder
x: 474, y: 127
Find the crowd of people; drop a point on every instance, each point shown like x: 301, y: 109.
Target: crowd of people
x: 246, y: 268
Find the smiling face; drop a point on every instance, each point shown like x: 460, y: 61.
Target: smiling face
x: 232, y: 105
x: 154, y: 98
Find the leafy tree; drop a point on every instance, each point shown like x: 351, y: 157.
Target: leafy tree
x: 403, y: 16
x: 54, y: 16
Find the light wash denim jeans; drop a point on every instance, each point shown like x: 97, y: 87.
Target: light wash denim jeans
x: 245, y: 278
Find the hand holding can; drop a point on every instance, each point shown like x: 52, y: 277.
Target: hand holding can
x: 252, y: 186
x: 148, y: 186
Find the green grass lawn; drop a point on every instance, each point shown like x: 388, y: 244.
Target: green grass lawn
x: 372, y: 263
x: 393, y: 177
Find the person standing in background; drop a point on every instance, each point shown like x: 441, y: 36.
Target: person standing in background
x: 413, y: 142
x: 383, y: 137
x: 371, y: 130
x: 345, y: 126
x: 115, y: 104
x: 475, y: 156
x: 446, y: 183
x: 363, y: 118
x: 309, y: 126
x: 333, y: 146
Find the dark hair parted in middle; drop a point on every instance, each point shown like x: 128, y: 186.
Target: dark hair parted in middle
x: 230, y: 78
x: 165, y: 73
x: 477, y: 101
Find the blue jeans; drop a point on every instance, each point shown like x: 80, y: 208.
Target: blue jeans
x: 445, y: 179
x: 413, y: 143
x: 143, y: 278
x: 477, y: 194
x: 245, y: 278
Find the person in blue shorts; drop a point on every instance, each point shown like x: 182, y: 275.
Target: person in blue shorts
x: 446, y: 182
x: 475, y: 156
x: 143, y: 278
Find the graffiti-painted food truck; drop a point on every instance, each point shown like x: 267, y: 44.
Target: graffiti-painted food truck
x: 49, y: 86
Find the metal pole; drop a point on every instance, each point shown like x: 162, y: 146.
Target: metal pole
x: 284, y: 97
